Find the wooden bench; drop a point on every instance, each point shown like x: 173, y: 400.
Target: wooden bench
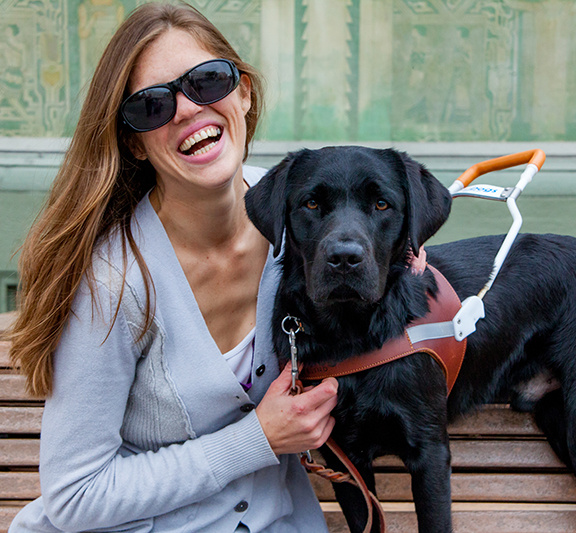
x: 20, y: 420
x: 505, y: 479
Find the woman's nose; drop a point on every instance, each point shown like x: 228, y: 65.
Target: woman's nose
x: 185, y: 108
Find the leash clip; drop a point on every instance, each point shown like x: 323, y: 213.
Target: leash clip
x: 293, y: 349
x: 307, y: 456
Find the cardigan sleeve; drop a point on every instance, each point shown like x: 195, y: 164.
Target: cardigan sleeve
x: 88, y: 479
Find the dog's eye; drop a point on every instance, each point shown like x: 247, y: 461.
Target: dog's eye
x: 381, y: 205
x: 312, y: 204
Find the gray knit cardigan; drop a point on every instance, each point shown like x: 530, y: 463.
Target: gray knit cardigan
x: 157, y: 434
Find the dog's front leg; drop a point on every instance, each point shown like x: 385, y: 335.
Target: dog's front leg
x: 429, y: 466
x: 350, y: 497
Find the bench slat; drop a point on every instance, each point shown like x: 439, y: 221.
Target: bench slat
x: 13, y: 388
x: 537, y: 519
x: 472, y: 454
x: 19, y: 485
x: 541, y: 488
x: 7, y: 514
x: 19, y: 452
x: 468, y: 518
x: 523, y: 454
x: 4, y: 359
x: 17, y: 420
x: 396, y: 487
x: 494, y: 420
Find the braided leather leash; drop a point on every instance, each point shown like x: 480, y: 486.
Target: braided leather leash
x: 354, y: 478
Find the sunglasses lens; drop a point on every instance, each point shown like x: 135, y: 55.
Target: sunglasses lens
x: 149, y: 109
x: 210, y: 82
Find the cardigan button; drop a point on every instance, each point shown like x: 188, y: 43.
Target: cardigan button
x: 260, y: 370
x: 247, y: 407
x: 241, y: 507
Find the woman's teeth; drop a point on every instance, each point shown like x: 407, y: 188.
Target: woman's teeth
x: 201, y: 135
x: 205, y: 149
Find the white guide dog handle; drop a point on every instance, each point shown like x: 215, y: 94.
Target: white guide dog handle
x: 472, y: 308
x: 465, y: 320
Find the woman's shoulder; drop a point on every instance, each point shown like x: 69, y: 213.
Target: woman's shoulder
x: 114, y: 264
x: 252, y: 175
x: 113, y: 251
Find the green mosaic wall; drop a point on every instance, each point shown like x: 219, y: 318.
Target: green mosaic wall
x: 358, y: 70
x: 420, y: 74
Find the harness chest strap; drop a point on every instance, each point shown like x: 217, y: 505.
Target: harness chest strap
x: 432, y: 334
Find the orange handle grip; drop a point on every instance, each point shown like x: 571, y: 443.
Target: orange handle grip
x: 536, y: 157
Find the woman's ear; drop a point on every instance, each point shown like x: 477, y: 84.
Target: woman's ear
x: 245, y: 92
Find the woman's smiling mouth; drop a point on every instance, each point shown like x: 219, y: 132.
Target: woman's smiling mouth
x: 201, y: 141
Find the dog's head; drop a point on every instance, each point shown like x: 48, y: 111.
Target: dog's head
x: 349, y: 214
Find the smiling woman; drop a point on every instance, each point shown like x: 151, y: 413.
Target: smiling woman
x: 146, y: 297
x: 185, y: 116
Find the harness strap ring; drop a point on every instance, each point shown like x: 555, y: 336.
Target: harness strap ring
x: 296, y: 321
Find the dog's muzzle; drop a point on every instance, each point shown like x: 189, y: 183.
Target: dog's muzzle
x: 344, y: 270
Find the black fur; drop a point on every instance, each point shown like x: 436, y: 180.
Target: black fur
x: 345, y: 275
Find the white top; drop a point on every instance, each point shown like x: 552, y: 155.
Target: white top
x: 240, y: 358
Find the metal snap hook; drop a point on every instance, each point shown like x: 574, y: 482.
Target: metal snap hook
x: 293, y: 349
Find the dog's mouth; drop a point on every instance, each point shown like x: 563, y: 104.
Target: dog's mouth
x: 359, y: 289
x: 343, y: 294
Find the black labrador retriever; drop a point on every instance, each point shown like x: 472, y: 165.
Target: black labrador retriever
x: 351, y: 217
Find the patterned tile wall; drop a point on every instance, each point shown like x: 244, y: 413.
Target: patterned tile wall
x: 357, y: 70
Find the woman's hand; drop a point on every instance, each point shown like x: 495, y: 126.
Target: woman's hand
x: 294, y: 424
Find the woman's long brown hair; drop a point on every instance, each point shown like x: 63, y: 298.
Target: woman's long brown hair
x: 97, y: 189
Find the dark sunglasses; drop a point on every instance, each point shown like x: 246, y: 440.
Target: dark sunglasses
x: 206, y: 83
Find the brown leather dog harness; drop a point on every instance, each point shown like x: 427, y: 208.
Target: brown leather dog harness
x: 432, y: 334
x: 446, y: 351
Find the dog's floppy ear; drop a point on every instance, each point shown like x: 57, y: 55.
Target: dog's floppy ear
x: 266, y: 202
x: 428, y: 202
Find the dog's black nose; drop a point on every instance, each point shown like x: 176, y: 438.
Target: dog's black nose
x: 344, y: 255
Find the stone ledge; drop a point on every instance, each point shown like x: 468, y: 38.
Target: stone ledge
x: 30, y: 164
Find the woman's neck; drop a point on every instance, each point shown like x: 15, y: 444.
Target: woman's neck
x: 221, y: 253
x: 202, y: 219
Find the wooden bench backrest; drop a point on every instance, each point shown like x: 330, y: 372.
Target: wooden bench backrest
x: 506, y: 479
